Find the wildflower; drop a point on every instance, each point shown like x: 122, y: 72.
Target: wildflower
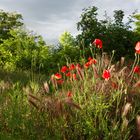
x: 74, y: 77
x: 137, y: 47
x: 92, y: 61
x: 64, y: 69
x: 90, y: 58
x: 98, y: 43
x: 69, y: 94
x: 136, y: 69
x: 68, y: 74
x: 58, y: 76
x: 86, y: 65
x: 78, y: 66
x: 72, y: 67
x: 106, y: 74
x: 60, y: 82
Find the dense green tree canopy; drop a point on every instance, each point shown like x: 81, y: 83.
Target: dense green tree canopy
x: 9, y: 21
x: 21, y: 49
x: 137, y: 23
x: 115, y: 34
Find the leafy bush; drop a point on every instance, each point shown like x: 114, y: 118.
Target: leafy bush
x: 116, y: 34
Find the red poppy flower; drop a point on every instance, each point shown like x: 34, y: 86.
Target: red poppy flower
x: 106, y: 74
x: 69, y: 94
x: 60, y: 82
x: 86, y: 65
x: 98, y: 43
x: 68, y: 74
x: 74, y: 76
x: 58, y: 76
x: 136, y: 69
x: 137, y: 48
x: 90, y: 62
x: 72, y: 67
x: 64, y: 69
x: 90, y: 58
x: 93, y: 61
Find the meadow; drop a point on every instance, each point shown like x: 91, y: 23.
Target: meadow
x: 83, y: 88
x: 94, y: 100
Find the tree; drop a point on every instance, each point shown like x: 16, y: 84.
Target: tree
x: 25, y: 51
x: 89, y: 26
x: 9, y: 21
x: 118, y: 17
x: 137, y: 23
x: 68, y: 47
x: 19, y: 48
x: 115, y: 34
x: 67, y: 51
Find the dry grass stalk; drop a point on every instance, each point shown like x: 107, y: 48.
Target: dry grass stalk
x: 124, y: 125
x: 122, y: 61
x: 32, y: 102
x: 136, y: 84
x: 112, y: 68
x: 124, y: 71
x: 80, y: 73
x: 46, y: 87
x: 135, y: 89
x: 70, y: 102
x: 54, y: 106
x: 33, y: 97
x: 138, y: 125
x: 105, y: 59
x: 54, y: 82
x: 126, y: 109
x: 95, y: 72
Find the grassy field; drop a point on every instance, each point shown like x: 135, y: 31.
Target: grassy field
x: 94, y: 100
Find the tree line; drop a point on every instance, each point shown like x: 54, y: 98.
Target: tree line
x: 23, y: 49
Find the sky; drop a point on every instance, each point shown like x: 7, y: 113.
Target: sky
x: 50, y: 18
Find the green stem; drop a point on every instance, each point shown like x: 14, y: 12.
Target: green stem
x: 113, y: 52
x: 135, y: 61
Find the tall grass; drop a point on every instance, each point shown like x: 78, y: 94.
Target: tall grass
x: 81, y: 106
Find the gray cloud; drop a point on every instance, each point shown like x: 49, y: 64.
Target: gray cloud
x: 51, y: 17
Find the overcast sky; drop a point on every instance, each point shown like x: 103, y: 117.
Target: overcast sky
x: 50, y: 18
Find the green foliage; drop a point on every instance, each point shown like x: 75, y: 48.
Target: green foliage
x: 116, y: 34
x: 118, y: 16
x: 96, y: 110
x: 89, y: 25
x: 23, y: 51
x: 9, y: 21
x: 137, y: 23
x: 66, y: 52
x: 68, y: 48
